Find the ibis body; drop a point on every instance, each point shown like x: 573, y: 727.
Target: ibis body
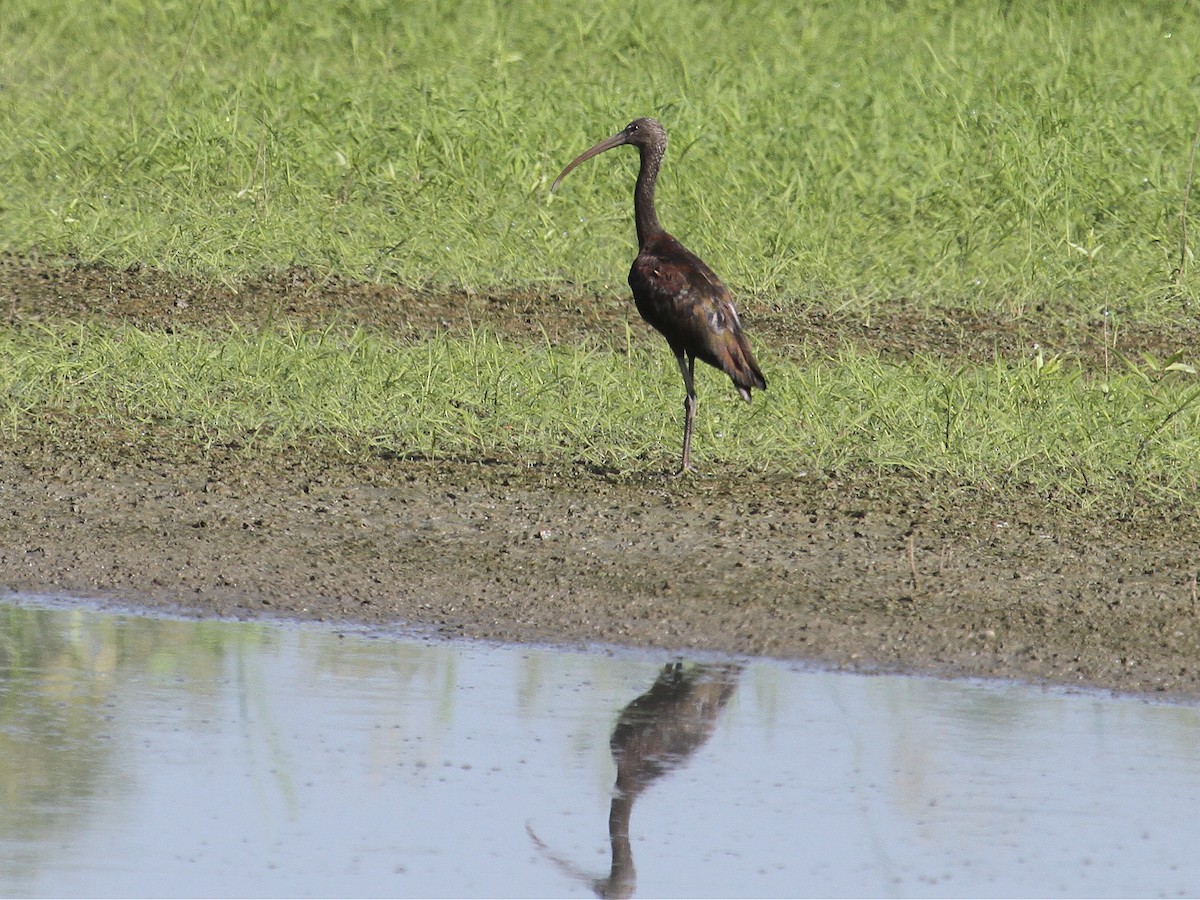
x: 675, y: 291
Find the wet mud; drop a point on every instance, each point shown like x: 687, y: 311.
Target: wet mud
x: 874, y: 575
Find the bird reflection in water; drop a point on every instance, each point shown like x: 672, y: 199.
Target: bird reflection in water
x: 654, y: 735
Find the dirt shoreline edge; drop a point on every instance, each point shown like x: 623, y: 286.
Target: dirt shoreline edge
x: 825, y: 572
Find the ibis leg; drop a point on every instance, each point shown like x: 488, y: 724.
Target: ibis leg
x: 688, y: 370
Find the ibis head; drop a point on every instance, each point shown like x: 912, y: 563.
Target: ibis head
x: 645, y: 134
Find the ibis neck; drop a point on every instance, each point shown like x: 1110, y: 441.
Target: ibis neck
x: 643, y: 197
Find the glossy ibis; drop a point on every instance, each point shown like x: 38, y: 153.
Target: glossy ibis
x: 673, y: 288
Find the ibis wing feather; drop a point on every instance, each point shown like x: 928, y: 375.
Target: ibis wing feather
x: 685, y: 300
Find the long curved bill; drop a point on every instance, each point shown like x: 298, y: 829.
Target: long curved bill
x: 607, y: 144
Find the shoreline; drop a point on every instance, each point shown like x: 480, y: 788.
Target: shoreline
x: 818, y: 572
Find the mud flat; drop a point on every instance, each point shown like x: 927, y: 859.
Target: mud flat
x: 840, y: 573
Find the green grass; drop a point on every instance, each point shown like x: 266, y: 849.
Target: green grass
x: 998, y: 155
x: 1126, y: 437
x: 1001, y: 157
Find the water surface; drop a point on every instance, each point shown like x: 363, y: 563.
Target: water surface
x: 162, y: 757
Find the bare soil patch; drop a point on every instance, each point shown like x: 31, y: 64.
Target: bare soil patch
x: 31, y: 291
x: 881, y: 575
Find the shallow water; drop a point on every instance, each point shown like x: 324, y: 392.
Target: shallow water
x: 152, y: 756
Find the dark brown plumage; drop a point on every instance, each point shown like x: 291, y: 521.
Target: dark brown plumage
x: 674, y: 290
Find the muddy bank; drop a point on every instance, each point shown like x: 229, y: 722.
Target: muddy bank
x: 31, y: 291
x: 846, y: 574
